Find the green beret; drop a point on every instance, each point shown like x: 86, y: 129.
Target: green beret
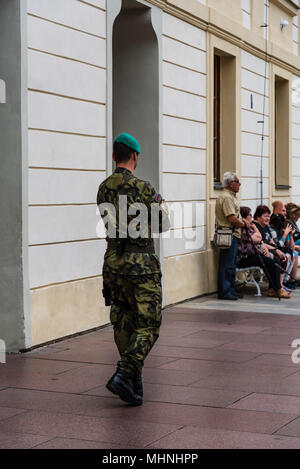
x: 129, y: 141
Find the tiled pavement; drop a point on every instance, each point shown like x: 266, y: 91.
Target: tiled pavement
x: 220, y: 376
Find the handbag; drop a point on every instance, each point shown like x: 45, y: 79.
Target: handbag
x: 223, y: 237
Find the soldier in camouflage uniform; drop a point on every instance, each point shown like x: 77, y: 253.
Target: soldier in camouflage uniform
x: 131, y: 270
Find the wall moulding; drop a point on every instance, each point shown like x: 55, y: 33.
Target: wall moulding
x: 216, y: 24
x: 288, y: 6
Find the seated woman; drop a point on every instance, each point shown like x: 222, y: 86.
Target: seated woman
x: 293, y: 215
x: 253, y: 252
x: 262, y: 220
x: 282, y: 235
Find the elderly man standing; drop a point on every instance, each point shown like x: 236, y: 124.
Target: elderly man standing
x: 227, y: 216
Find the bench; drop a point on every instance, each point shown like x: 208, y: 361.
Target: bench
x: 250, y: 279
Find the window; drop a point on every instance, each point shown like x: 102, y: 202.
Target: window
x: 224, y: 115
x: 217, y: 115
x: 281, y: 133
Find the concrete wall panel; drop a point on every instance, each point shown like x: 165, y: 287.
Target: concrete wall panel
x: 184, y: 241
x: 185, y: 105
x: 252, y: 81
x: 74, y: 14
x: 183, y: 132
x: 56, y: 39
x: 184, y: 160
x: 65, y: 115
x: 255, y: 102
x: 251, y: 122
x: 63, y: 187
x: 59, y: 263
x: 250, y: 189
x: 183, y: 55
x: 58, y: 150
x: 251, y: 144
x: 66, y: 77
x: 184, y: 32
x: 184, y: 79
x: 184, y: 187
x: 64, y: 223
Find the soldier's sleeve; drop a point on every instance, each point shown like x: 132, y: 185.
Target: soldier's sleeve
x: 99, y: 195
x: 157, y: 208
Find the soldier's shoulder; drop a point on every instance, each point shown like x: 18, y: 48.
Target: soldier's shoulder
x: 143, y: 187
x: 139, y: 182
x: 105, y: 187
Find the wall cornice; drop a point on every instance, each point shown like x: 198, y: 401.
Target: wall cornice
x: 287, y: 5
x: 217, y: 24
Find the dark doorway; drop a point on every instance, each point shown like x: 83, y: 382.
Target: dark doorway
x: 136, y: 84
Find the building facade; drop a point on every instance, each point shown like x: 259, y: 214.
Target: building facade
x: 205, y: 85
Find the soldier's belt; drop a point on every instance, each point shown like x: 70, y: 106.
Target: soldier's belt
x: 131, y: 247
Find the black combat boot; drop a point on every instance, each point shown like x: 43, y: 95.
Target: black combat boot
x: 138, y: 384
x: 121, y: 384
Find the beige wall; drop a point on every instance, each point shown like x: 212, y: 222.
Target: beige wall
x: 65, y: 267
x: 190, y: 275
x: 230, y: 8
x: 277, y: 193
x: 67, y: 161
x: 66, y: 309
x: 283, y: 38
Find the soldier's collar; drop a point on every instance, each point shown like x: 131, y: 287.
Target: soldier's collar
x: 122, y: 170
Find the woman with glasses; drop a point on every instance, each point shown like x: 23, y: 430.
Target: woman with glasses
x: 248, y: 256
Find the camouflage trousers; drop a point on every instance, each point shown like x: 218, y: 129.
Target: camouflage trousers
x: 135, y: 315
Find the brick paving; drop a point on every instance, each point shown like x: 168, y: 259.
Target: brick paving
x: 218, y: 377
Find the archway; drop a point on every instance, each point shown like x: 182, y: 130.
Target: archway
x: 135, y: 84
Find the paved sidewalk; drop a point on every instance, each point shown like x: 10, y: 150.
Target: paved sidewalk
x: 219, y: 377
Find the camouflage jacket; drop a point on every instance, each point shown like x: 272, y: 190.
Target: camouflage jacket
x: 123, y: 183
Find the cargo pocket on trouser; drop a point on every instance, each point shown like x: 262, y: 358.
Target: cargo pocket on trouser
x: 115, y: 315
x: 146, y: 308
x: 148, y: 297
x: 147, y: 300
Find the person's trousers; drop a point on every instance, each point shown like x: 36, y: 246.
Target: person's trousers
x: 289, y: 267
x: 136, y: 317
x: 227, y: 269
x: 267, y: 264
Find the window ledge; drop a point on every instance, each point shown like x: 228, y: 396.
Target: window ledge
x: 218, y: 186
x: 282, y: 187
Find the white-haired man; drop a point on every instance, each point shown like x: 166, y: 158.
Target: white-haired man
x: 227, y: 216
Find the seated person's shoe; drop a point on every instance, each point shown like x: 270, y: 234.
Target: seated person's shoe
x: 138, y: 384
x: 290, y: 285
x: 279, y: 294
x: 294, y: 283
x: 238, y: 295
x: 121, y: 384
x: 283, y: 294
x: 228, y: 297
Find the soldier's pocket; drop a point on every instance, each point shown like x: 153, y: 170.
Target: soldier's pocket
x: 148, y: 297
x: 115, y: 315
